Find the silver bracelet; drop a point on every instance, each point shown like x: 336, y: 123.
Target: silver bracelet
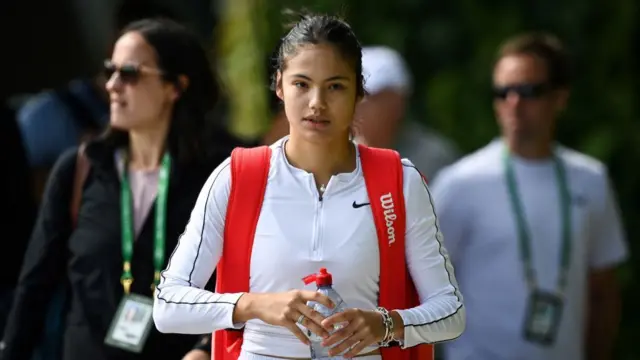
x: 387, y: 320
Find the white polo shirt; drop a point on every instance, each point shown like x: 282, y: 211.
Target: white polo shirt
x: 298, y: 233
x: 480, y: 232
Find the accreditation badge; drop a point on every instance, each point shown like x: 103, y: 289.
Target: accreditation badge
x: 543, y: 315
x: 132, y: 323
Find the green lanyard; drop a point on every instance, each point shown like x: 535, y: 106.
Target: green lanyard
x: 159, y: 229
x: 523, y: 231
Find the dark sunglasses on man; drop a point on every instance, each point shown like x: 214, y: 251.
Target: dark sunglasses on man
x: 128, y: 73
x: 524, y: 91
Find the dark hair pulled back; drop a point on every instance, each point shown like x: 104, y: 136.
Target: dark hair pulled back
x: 313, y: 29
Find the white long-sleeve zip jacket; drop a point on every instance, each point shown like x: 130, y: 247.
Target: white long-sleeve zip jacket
x: 299, y: 232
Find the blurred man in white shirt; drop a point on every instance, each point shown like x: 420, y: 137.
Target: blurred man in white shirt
x: 532, y: 227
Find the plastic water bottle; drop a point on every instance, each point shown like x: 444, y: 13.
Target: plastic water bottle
x: 324, y: 282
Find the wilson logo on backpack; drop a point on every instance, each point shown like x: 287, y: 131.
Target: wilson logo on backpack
x: 389, y: 216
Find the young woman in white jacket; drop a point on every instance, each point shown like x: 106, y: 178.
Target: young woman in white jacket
x: 314, y: 215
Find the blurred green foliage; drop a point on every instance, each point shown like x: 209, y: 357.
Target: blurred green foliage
x: 450, y: 48
x: 241, y: 30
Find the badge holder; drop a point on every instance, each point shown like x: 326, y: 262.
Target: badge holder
x: 132, y: 323
x: 544, y: 312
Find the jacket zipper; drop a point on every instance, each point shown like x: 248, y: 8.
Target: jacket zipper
x: 317, y: 227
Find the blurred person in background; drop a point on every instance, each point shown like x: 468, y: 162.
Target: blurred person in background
x: 55, y: 120
x: 381, y: 117
x: 532, y: 226
x: 145, y: 174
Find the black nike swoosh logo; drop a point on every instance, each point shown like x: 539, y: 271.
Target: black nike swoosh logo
x: 355, y: 206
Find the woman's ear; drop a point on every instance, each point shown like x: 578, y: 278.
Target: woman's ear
x: 279, y: 92
x: 181, y: 86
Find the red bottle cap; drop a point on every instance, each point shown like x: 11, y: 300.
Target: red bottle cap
x: 323, y: 278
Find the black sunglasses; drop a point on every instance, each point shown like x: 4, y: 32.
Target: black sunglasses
x: 128, y: 73
x: 524, y: 91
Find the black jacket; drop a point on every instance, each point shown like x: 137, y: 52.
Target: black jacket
x: 89, y: 259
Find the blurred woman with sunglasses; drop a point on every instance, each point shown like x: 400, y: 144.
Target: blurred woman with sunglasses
x: 144, y: 177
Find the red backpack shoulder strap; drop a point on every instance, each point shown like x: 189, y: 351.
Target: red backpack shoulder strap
x: 249, y: 174
x: 383, y: 175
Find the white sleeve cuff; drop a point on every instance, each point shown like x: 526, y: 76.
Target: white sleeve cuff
x: 419, y: 330
x: 228, y: 316
x: 410, y: 339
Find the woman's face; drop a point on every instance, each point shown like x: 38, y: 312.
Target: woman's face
x: 318, y: 88
x: 140, y: 98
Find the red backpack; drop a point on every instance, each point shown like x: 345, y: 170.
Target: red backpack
x: 383, y: 176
